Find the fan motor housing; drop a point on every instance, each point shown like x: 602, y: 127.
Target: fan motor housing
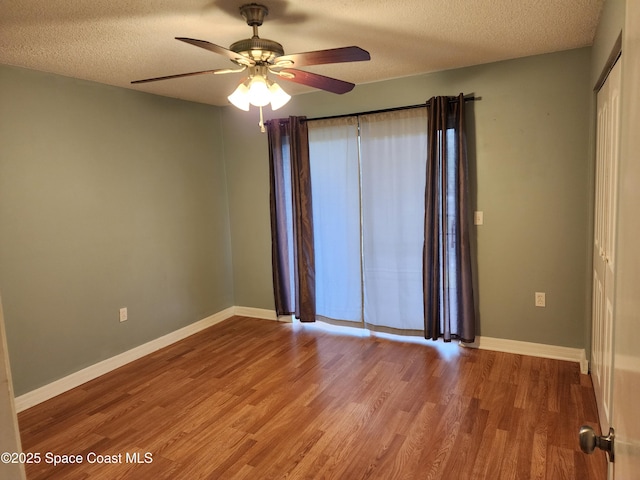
x: 261, y: 50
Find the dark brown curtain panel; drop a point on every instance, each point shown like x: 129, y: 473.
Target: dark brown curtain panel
x: 291, y: 210
x: 449, y: 310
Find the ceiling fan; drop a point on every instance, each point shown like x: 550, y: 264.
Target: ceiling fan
x: 261, y: 56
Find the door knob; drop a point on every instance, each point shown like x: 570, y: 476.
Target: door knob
x: 589, y: 441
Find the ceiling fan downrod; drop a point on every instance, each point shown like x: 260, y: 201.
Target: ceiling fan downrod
x: 254, y: 14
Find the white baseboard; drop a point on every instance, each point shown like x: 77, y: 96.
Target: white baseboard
x: 76, y: 379
x: 533, y: 349
x: 255, y: 313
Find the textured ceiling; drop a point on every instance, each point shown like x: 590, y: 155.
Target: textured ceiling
x: 116, y: 41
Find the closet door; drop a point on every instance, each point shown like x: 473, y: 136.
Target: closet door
x: 604, y: 252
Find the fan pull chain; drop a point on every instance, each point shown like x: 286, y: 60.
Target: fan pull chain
x: 262, y: 130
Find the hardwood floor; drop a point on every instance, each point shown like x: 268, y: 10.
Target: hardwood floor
x: 256, y: 399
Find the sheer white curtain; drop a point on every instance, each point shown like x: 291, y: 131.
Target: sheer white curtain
x: 368, y: 181
x: 393, y: 152
x: 335, y: 183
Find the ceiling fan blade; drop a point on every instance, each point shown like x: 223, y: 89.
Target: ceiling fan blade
x: 191, y: 74
x: 320, y: 57
x: 212, y: 47
x: 329, y: 84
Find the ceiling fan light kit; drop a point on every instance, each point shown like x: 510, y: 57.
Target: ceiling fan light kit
x: 240, y: 97
x: 259, y: 91
x: 262, y: 56
x: 279, y: 97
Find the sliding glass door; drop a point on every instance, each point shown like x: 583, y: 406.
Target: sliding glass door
x: 335, y: 183
x: 394, y: 152
x: 368, y: 181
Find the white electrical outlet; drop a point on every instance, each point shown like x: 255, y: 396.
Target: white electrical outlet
x: 540, y: 299
x: 123, y: 314
x: 478, y: 218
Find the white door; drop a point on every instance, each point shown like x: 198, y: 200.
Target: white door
x: 616, y: 316
x: 626, y: 381
x: 604, y: 251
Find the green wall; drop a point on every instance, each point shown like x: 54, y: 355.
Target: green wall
x: 531, y: 177
x: 109, y: 198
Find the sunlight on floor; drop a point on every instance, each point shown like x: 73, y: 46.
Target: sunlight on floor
x: 448, y: 350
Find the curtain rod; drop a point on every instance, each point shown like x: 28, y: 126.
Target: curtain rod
x: 385, y: 110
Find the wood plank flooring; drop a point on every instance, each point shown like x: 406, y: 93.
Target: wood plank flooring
x: 256, y: 399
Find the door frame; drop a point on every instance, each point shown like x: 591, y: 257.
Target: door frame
x: 9, y: 431
x: 626, y: 375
